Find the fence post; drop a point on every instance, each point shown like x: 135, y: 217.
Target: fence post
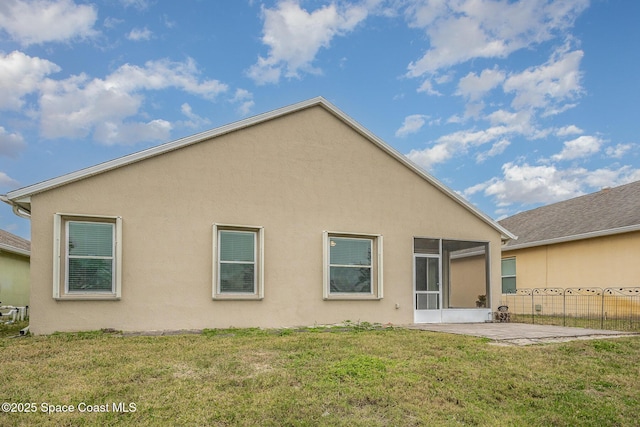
x: 533, y: 319
x: 564, y: 306
x: 602, y: 310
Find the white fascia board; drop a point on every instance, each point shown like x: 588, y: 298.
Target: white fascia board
x: 583, y: 236
x: 7, y: 248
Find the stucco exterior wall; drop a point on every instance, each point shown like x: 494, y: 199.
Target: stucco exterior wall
x: 598, y: 262
x: 296, y: 176
x: 468, y: 281
x: 14, y: 279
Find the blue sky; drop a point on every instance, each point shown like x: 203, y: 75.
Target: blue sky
x: 513, y: 104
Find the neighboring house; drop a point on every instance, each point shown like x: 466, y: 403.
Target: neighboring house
x: 588, y: 241
x: 298, y: 216
x: 14, y: 270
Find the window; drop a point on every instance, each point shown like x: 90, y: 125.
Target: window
x: 352, y: 266
x: 238, y: 263
x: 509, y: 276
x: 87, y: 253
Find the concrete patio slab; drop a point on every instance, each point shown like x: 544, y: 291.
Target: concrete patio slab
x: 520, y: 333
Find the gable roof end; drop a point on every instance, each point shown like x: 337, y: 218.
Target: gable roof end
x: 21, y: 197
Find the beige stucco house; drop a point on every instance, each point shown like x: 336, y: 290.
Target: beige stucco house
x: 588, y: 241
x: 298, y: 216
x: 14, y: 270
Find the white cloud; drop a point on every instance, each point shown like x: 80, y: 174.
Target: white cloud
x: 245, y: 100
x: 445, y: 78
x: 554, y: 111
x: 411, y: 124
x: 138, y: 34
x: 295, y: 36
x: 455, y: 143
x: 520, y: 121
x: 79, y: 106
x: 466, y: 29
x: 110, y: 22
x: 569, y: 130
x: 549, y: 85
x: 455, y: 40
x: 496, y: 149
x: 461, y: 30
x: 423, y: 14
x: 431, y: 156
x: 136, y: 4
x: 474, y: 87
x: 529, y: 185
x: 583, y: 146
x: 427, y: 87
x: 21, y: 75
x: 7, y: 182
x: 156, y: 75
x: 619, y: 150
x: 38, y: 21
x: 455, y: 119
x: 194, y: 121
x: 503, y: 124
x: 480, y: 137
x: 470, y: 191
x: 601, y: 178
x: 11, y: 144
x: 473, y: 109
x: 533, y: 184
x: 118, y: 132
x: 168, y: 22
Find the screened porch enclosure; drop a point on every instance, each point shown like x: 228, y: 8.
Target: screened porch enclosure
x: 451, y: 281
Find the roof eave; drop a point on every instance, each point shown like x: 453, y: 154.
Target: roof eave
x: 14, y: 250
x: 572, y: 238
x: 21, y: 207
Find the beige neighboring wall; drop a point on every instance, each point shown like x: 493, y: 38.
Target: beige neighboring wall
x: 297, y: 176
x: 14, y: 279
x: 608, y: 261
x: 468, y: 281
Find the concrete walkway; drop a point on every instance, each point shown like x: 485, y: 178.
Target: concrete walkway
x: 520, y: 333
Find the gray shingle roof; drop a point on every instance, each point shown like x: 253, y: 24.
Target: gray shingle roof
x: 10, y: 241
x: 608, y: 209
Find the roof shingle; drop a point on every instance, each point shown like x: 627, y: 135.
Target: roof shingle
x: 11, y: 241
x: 607, y: 209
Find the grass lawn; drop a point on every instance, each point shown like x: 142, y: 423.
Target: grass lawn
x: 390, y: 377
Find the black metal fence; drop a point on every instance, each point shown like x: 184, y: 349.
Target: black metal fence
x: 598, y: 308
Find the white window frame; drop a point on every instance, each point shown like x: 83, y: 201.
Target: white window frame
x: 258, y: 293
x: 508, y: 276
x: 61, y: 258
x: 376, y: 267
